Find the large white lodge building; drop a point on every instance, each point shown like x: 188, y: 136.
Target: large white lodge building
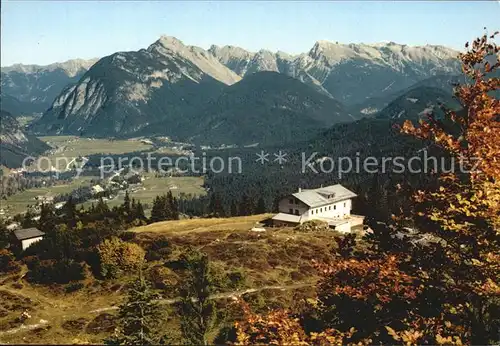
x: 331, y: 204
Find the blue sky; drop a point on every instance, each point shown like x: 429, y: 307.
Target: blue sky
x: 44, y: 31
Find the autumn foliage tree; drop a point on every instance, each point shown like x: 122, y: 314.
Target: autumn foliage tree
x: 117, y: 256
x: 464, y: 210
x: 280, y: 328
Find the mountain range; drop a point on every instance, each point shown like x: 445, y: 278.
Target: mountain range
x: 349, y: 73
x: 28, y: 89
x: 227, y: 95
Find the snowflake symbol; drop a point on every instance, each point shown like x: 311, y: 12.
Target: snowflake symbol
x: 280, y: 157
x: 262, y: 157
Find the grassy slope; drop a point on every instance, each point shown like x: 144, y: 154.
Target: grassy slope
x: 277, y: 257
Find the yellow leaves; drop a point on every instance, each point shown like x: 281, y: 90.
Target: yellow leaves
x: 490, y: 287
x: 455, y: 340
x: 476, y: 262
x: 392, y: 333
x: 409, y: 337
x: 275, y: 328
x: 116, y: 256
x: 407, y: 127
x: 424, y: 274
x: 334, y: 337
x: 312, y: 302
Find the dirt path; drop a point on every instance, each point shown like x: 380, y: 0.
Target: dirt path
x: 233, y: 294
x: 24, y: 327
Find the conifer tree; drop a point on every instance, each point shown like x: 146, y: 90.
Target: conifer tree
x: 246, y: 206
x: 159, y: 210
x: 139, y: 211
x: 261, y: 206
x: 234, y: 209
x: 101, y: 208
x: 4, y: 234
x: 215, y: 206
x: 276, y: 203
x: 155, y: 210
x: 172, y: 209
x: 126, y: 203
x: 197, y: 311
x: 70, y: 213
x: 47, y: 222
x: 139, y: 317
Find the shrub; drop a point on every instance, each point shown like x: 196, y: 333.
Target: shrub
x: 313, y: 225
x: 162, y: 277
x: 17, y: 285
x: 236, y: 279
x: 73, y: 287
x: 104, y: 323
x: 159, y: 249
x: 117, y: 256
x: 128, y: 236
x: 60, y: 272
x: 8, y: 263
x: 75, y: 326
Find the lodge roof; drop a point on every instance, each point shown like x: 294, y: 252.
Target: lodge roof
x: 28, y: 233
x: 324, y: 195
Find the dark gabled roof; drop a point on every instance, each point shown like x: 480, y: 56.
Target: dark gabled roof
x: 28, y: 233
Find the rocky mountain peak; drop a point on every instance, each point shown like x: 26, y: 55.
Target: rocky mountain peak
x: 170, y: 41
x: 331, y: 53
x: 226, y: 53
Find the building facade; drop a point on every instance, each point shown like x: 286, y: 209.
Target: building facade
x: 24, y: 238
x: 332, y: 204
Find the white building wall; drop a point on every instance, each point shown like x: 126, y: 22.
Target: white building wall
x: 295, y: 206
x: 334, y: 210
x: 27, y: 242
x: 292, y: 205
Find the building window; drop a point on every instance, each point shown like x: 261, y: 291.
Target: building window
x: 345, y: 204
x: 290, y: 211
x: 335, y: 207
x: 330, y: 207
x: 296, y: 212
x: 291, y: 201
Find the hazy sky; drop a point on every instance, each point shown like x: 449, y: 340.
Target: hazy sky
x: 44, y: 31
